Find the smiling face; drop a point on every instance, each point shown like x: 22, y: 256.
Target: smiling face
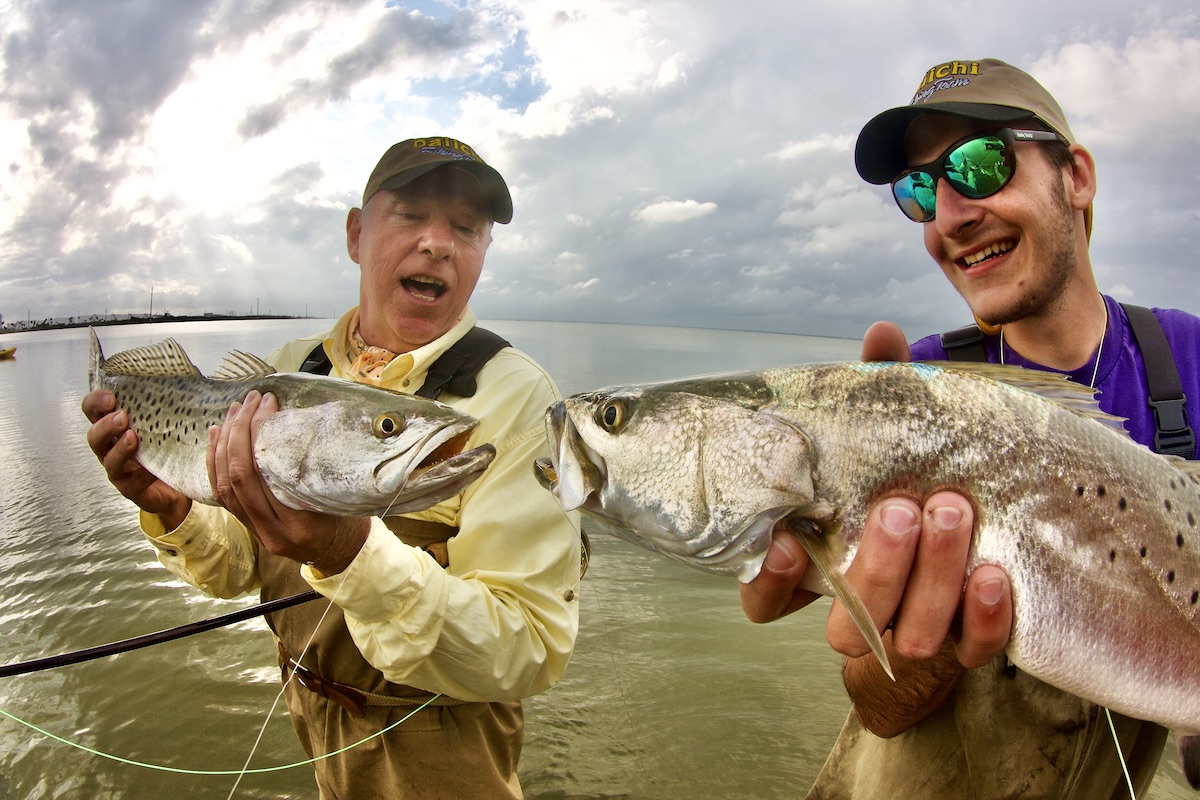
x: 420, y: 249
x: 1015, y: 254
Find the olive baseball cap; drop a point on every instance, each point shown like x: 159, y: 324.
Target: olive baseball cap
x: 988, y: 89
x: 408, y: 160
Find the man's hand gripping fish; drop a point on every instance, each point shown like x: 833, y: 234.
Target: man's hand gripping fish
x: 1099, y: 535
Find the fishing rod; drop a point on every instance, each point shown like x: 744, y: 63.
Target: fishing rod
x: 168, y: 635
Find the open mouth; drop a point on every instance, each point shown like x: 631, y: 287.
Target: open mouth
x: 427, y: 288
x: 987, y: 254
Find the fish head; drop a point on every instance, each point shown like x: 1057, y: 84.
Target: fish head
x: 381, y: 452
x: 696, y: 478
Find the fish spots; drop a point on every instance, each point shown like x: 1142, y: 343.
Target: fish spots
x: 1122, y: 504
x: 1195, y: 597
x: 1142, y: 551
x: 1112, y: 555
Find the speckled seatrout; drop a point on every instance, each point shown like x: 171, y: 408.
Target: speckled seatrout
x: 1099, y: 535
x: 334, y: 446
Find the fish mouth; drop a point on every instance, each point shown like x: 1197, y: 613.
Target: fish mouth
x: 442, y: 468
x: 543, y: 470
x: 573, y: 473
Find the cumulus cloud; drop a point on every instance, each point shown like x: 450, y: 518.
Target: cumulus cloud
x: 666, y: 212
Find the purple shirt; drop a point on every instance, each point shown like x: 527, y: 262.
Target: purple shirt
x: 1122, y: 375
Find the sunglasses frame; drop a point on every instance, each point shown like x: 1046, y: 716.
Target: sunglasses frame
x: 936, y: 169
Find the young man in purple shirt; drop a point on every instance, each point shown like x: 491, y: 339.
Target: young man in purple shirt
x: 984, y: 159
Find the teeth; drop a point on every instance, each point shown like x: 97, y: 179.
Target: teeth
x: 987, y: 252
x: 424, y: 279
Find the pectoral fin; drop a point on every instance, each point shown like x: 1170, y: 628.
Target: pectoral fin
x: 822, y: 551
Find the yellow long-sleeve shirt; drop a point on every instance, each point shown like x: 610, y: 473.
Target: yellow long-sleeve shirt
x: 500, y: 622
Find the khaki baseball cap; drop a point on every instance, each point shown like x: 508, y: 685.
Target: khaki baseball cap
x: 408, y: 160
x: 988, y: 89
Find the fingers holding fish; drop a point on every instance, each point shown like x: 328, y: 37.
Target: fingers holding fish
x: 236, y: 482
x: 776, y: 591
x: 324, y: 541
x: 115, y: 446
x: 934, y: 588
x: 879, y: 573
x: 987, y: 616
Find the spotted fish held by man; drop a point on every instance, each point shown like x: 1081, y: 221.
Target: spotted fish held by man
x: 334, y: 446
x: 1099, y: 535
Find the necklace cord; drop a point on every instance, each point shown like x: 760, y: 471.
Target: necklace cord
x: 1099, y: 348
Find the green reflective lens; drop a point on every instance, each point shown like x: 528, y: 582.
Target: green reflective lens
x: 977, y: 167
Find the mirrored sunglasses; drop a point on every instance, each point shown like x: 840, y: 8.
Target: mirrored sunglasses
x: 976, y: 166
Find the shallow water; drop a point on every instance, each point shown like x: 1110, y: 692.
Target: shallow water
x: 671, y: 692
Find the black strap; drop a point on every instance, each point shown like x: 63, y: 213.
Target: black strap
x: 964, y: 344
x: 1172, y: 435
x: 317, y: 362
x: 455, y: 369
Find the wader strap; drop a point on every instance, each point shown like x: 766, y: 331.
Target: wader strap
x: 349, y: 698
x: 1172, y: 434
x: 964, y: 344
x: 454, y: 369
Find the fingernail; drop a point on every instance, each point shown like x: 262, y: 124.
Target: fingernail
x: 779, y: 559
x: 120, y: 419
x: 990, y: 591
x: 947, y: 517
x: 897, y: 518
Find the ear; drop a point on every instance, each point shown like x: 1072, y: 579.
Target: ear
x: 353, y: 229
x: 1080, y: 178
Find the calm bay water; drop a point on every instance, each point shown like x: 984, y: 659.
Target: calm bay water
x: 671, y: 692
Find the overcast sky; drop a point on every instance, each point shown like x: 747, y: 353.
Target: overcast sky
x: 678, y: 163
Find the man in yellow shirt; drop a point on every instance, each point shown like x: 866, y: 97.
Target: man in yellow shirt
x: 498, y: 621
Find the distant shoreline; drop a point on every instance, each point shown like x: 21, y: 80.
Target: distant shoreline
x: 133, y: 319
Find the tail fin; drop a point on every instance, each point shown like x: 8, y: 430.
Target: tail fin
x: 95, y: 361
x: 1189, y: 758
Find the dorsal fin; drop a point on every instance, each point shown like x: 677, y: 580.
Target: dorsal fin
x: 1053, y: 386
x: 239, y: 366
x: 165, y: 359
x: 1192, y: 470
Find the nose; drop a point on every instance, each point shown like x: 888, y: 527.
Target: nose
x: 437, y: 238
x: 955, y: 213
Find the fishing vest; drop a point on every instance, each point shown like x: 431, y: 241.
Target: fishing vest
x: 333, y: 665
x: 1172, y: 433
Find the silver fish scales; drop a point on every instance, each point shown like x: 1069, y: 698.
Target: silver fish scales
x: 334, y: 446
x: 1099, y: 535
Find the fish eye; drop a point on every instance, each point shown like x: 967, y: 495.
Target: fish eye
x: 613, y: 415
x: 388, y: 424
